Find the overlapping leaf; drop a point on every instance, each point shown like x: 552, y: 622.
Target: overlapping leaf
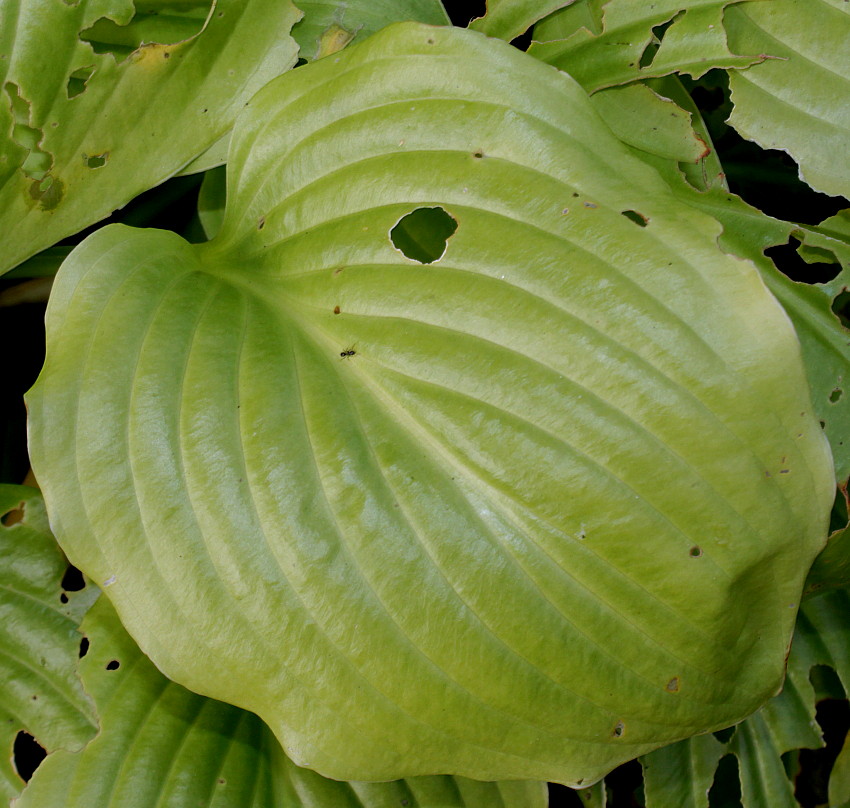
x: 160, y: 744
x: 90, y: 119
x: 796, y: 101
x: 508, y: 19
x: 682, y: 774
x: 39, y: 642
x: 527, y: 510
x: 607, y: 44
x: 330, y: 25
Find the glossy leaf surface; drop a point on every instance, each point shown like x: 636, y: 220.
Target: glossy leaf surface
x: 520, y: 512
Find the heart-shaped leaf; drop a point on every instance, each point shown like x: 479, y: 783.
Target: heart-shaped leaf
x: 526, y: 507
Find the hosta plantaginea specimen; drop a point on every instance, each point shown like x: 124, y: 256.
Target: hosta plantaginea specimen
x: 553, y: 511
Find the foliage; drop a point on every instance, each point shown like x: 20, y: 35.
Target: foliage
x: 469, y: 426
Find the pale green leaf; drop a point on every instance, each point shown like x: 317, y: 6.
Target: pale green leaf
x: 825, y: 341
x: 508, y: 19
x: 91, y: 129
x: 650, y: 122
x: 330, y: 25
x: 162, y: 745
x: 796, y: 101
x: 39, y: 642
x: 682, y: 774
x: 525, y: 511
x: 604, y: 45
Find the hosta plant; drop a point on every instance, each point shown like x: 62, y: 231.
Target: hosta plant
x: 468, y: 439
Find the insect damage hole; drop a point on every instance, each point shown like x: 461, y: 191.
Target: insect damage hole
x: 27, y: 754
x: 638, y: 218
x: 96, y: 160
x: 422, y: 235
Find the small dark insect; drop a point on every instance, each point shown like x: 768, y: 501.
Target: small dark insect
x: 347, y: 352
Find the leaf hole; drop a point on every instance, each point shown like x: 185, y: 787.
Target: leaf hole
x: 841, y: 307
x: 73, y: 580
x: 638, y: 218
x: 13, y: 516
x: 261, y: 222
x: 422, y: 235
x: 147, y: 27
x: 63, y: 598
x: 619, y: 729
x: 84, y: 647
x: 695, y: 551
x: 790, y: 262
x: 113, y: 665
x: 78, y: 80
x: 651, y: 49
x: 478, y: 154
x: 835, y: 395
x: 725, y: 735
x: 27, y: 754
x: 96, y: 160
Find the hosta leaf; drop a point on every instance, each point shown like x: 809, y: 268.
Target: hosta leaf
x: 794, y: 101
x: 524, y: 509
x: 39, y: 642
x: 160, y: 744
x: 681, y: 774
x: 211, y: 201
x: 330, y: 25
x: 607, y: 44
x: 650, y: 122
x: 747, y: 232
x: 94, y: 122
x: 508, y: 19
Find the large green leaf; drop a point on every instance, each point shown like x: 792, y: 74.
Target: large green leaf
x: 89, y: 122
x: 39, y: 642
x: 524, y: 511
x: 604, y: 44
x: 330, y: 25
x: 160, y: 744
x: 796, y: 101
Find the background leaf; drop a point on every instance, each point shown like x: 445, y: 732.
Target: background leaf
x: 330, y: 25
x: 607, y: 44
x: 39, y: 642
x: 793, y: 100
x: 82, y: 147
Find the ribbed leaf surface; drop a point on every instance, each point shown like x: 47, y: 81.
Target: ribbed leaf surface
x: 90, y: 120
x: 38, y: 639
x: 161, y: 745
x: 796, y: 101
x: 525, y: 511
